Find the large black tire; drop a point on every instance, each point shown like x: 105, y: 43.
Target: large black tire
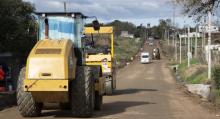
x: 98, y: 101
x: 82, y: 92
x: 26, y: 104
x: 114, y: 74
x: 109, y: 86
x: 64, y: 106
x: 97, y: 95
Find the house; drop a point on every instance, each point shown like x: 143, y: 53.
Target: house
x: 125, y: 34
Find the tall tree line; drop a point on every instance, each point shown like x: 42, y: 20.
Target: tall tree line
x: 122, y: 26
x: 198, y: 8
x: 17, y: 27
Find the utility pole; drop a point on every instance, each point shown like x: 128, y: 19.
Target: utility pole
x: 191, y: 44
x: 174, y: 35
x: 148, y: 28
x: 174, y: 10
x: 203, y: 38
x: 185, y: 41
x: 174, y: 24
x: 174, y: 38
x: 168, y: 36
x: 145, y: 33
x: 185, y: 36
x: 64, y: 4
x: 196, y: 41
x: 185, y: 32
x: 188, y: 53
x: 176, y: 48
x: 180, y: 50
x: 164, y: 34
x: 209, y: 47
x: 203, y: 34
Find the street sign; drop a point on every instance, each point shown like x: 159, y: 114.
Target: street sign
x: 189, y: 54
x: 205, y: 28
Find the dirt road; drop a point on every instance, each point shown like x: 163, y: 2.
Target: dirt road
x: 145, y: 91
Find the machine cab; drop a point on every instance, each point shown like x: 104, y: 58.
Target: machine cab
x: 56, y: 26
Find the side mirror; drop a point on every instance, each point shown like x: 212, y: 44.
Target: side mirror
x: 96, y: 25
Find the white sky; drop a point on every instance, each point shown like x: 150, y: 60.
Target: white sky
x: 136, y: 11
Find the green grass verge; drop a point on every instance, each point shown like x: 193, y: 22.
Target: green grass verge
x: 216, y: 79
x: 216, y: 97
x: 200, y: 76
x: 184, y: 65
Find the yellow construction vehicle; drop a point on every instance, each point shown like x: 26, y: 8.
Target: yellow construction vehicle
x: 56, y: 71
x: 101, y: 53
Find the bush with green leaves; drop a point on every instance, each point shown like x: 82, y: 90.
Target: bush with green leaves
x: 216, y: 76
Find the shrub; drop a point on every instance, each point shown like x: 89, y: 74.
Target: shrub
x: 216, y: 76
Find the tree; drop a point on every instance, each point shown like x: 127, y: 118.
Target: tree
x: 159, y: 30
x: 198, y: 8
x: 17, y: 27
x: 122, y: 26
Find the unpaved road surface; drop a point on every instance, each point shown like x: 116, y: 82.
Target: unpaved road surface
x: 144, y: 91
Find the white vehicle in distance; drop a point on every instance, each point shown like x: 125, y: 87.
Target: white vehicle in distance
x: 151, y: 40
x: 145, y: 57
x: 151, y: 43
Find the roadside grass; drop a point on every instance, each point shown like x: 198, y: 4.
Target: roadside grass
x: 182, y: 67
x: 200, y: 76
x: 216, y: 76
x: 197, y: 76
x: 215, y: 96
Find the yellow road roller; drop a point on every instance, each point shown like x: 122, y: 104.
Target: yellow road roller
x: 101, y: 53
x: 56, y: 69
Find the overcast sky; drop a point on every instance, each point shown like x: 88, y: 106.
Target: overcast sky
x: 136, y: 11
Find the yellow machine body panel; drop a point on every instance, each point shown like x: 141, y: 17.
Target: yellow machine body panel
x: 41, y: 69
x: 50, y: 65
x: 46, y: 85
x: 107, y: 29
x: 98, y: 57
x: 97, y: 60
x: 51, y: 96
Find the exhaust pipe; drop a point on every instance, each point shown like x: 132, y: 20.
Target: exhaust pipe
x: 46, y: 29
